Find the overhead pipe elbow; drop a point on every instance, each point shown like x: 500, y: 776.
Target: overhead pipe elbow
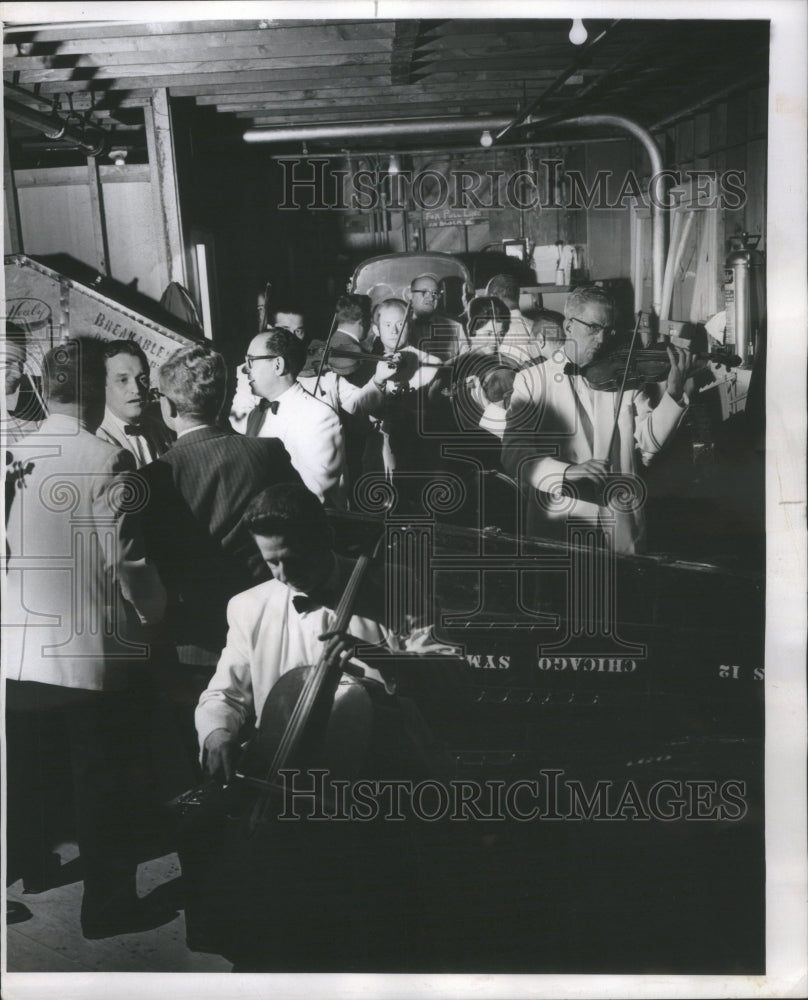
x: 657, y: 216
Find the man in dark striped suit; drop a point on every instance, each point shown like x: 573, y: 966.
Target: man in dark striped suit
x: 197, y: 493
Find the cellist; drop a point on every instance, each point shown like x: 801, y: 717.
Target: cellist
x: 302, y: 896
x: 284, y: 622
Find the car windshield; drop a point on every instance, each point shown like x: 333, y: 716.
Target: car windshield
x: 390, y: 276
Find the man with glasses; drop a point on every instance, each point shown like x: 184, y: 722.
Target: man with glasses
x: 430, y: 330
x: 306, y: 418
x: 562, y: 439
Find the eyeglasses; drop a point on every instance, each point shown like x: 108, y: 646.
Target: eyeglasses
x: 427, y: 293
x: 249, y: 358
x: 596, y: 328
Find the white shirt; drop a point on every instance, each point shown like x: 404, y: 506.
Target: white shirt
x: 340, y: 394
x: 556, y: 420
x: 267, y: 637
x: 519, y: 341
x: 310, y: 429
x: 139, y: 444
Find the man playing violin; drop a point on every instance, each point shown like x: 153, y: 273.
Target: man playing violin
x: 564, y: 442
x: 397, y: 447
x: 306, y: 414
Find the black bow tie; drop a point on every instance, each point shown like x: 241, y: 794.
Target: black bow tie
x: 272, y: 405
x: 133, y: 429
x: 311, y: 602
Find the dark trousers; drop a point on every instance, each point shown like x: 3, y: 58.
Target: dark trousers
x: 99, y: 734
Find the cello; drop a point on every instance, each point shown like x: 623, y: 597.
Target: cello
x: 237, y: 852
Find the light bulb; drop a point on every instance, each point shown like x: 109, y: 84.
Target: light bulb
x: 578, y: 33
x: 393, y: 167
x: 486, y: 139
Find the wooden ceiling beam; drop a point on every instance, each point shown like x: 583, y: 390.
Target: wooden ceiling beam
x: 123, y: 29
x: 211, y: 37
x: 141, y: 61
x: 173, y: 71
x: 326, y: 80
x: 298, y: 76
x: 312, y: 95
x: 454, y: 58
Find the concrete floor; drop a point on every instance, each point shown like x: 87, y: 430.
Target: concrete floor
x: 50, y: 940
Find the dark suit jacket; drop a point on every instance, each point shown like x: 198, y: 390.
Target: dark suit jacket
x: 197, y: 493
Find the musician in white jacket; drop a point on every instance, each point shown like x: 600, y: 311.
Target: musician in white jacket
x: 304, y: 418
x: 557, y: 432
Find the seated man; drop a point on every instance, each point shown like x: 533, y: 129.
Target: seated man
x: 285, y: 622
x: 562, y: 439
x: 332, y: 868
x: 286, y: 312
x: 521, y: 333
x: 352, y: 318
x: 396, y: 446
x: 414, y: 368
x: 485, y: 374
x: 430, y: 329
x: 126, y: 423
x: 489, y: 322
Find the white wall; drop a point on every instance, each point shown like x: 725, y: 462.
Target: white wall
x: 56, y: 218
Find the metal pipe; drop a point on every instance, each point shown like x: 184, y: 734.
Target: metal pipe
x: 657, y: 217
x: 357, y: 130
x: 92, y: 140
x: 335, y: 154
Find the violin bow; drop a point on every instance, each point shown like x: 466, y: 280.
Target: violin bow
x: 494, y: 331
x: 328, y: 340
x: 265, y: 309
x: 622, y: 388
x: 403, y: 326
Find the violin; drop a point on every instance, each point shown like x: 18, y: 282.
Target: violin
x: 316, y: 355
x: 634, y: 369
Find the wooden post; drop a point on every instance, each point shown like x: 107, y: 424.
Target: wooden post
x: 99, y: 218
x: 12, y: 202
x: 165, y: 191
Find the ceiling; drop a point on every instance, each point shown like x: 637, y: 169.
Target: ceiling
x: 306, y: 73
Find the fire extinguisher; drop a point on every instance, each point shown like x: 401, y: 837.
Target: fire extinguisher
x: 745, y: 296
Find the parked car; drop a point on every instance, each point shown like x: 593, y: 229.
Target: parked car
x: 390, y: 275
